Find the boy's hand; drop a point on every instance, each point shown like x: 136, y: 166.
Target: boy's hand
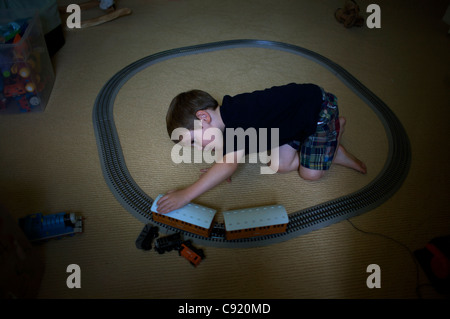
x: 218, y: 173
x: 172, y: 201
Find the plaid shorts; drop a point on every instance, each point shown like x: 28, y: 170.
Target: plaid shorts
x: 317, y: 151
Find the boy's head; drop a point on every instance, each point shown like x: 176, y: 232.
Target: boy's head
x: 184, y: 107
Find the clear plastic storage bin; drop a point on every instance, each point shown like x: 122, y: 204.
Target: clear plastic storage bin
x: 26, y: 72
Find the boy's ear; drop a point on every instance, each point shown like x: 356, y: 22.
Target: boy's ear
x: 203, y: 115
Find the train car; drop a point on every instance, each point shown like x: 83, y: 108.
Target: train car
x: 184, y: 248
x: 191, y: 253
x: 252, y: 222
x: 193, y: 218
x: 39, y: 227
x: 168, y: 243
x: 145, y: 238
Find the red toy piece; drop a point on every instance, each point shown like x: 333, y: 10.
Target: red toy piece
x: 192, y: 254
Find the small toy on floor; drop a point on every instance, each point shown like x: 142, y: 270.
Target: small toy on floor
x: 191, y: 253
x: 145, y: 239
x: 184, y: 248
x: 349, y: 15
x: 40, y: 228
x: 108, y: 6
x: 169, y: 243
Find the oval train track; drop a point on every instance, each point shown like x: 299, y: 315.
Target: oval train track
x: 138, y: 203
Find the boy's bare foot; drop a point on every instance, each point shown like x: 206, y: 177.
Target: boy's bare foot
x: 347, y: 159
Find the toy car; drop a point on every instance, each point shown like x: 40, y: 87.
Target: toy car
x: 168, y: 243
x: 145, y: 239
x: 39, y: 227
x: 192, y: 254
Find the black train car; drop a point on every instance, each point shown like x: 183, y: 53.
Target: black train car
x: 145, y: 239
x: 168, y: 243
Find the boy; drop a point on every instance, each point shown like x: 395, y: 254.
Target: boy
x: 305, y: 116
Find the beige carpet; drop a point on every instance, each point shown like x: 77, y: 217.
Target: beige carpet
x: 49, y: 161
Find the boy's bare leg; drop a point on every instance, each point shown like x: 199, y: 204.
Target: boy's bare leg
x: 310, y: 174
x: 343, y: 157
x: 287, y: 161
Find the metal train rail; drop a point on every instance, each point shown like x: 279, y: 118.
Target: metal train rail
x: 138, y: 203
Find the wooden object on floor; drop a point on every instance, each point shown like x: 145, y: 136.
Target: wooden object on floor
x: 110, y: 14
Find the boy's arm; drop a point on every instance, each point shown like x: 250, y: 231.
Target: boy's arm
x: 218, y: 173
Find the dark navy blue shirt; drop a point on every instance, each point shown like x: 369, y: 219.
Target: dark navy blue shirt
x: 293, y: 109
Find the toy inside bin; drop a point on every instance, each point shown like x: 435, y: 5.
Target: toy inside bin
x: 27, y: 77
